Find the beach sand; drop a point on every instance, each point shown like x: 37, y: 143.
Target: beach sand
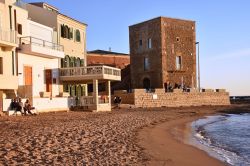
x: 121, y: 137
x: 165, y: 143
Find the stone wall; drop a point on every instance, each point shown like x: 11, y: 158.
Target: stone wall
x: 159, y: 98
x: 127, y: 98
x: 170, y: 38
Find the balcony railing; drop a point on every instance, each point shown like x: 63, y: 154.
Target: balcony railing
x: 21, y: 4
x: 40, y: 43
x: 90, y: 70
x: 8, y: 36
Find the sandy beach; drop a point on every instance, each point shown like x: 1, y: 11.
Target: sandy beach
x: 124, y: 137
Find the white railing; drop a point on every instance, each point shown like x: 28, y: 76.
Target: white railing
x: 89, y: 100
x: 40, y: 43
x: 8, y: 36
x: 86, y: 100
x: 90, y: 70
x: 21, y: 4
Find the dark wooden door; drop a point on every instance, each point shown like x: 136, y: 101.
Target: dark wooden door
x: 27, y: 75
x: 1, y: 101
x: 48, y: 80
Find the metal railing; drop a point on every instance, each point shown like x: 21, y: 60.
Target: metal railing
x: 90, y: 70
x: 8, y: 36
x: 21, y: 4
x: 41, y: 43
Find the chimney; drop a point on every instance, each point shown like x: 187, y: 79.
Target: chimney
x: 109, y: 49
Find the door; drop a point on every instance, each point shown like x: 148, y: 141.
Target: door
x: 27, y: 75
x: 146, y: 83
x: 1, y: 101
x: 48, y: 80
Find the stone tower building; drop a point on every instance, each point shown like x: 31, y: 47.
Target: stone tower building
x: 163, y: 50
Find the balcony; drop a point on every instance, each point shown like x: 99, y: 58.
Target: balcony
x: 8, y: 38
x: 87, y: 74
x: 42, y: 48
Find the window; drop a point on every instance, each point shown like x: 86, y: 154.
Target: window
x: 177, y: 39
x: 140, y: 43
x: 78, y: 36
x: 71, y: 33
x: 146, y: 64
x: 82, y: 62
x: 19, y: 29
x: 178, y: 63
x: 1, y: 65
x: 62, y: 31
x: 149, y: 43
x: 66, y: 32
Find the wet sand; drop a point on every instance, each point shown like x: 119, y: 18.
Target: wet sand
x: 111, y: 138
x: 165, y: 143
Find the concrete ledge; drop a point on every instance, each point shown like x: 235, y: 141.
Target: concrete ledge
x: 177, y: 90
x: 64, y: 94
x: 207, y: 90
x: 220, y: 90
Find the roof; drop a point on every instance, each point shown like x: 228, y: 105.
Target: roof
x: 40, y: 4
x: 104, y: 52
x: 163, y: 18
x: 73, y: 19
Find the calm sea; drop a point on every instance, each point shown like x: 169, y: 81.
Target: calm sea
x: 225, y: 137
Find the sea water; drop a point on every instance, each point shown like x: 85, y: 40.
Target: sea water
x: 225, y: 137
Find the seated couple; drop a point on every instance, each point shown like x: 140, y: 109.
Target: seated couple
x: 17, y: 106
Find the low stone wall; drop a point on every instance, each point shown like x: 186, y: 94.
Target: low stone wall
x: 160, y: 98
x: 127, y: 98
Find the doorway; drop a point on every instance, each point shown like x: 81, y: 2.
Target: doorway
x: 1, y: 101
x: 146, y: 83
x: 48, y: 80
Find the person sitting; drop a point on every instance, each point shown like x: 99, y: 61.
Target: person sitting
x: 27, y: 108
x: 19, y: 107
x: 13, y: 104
x: 117, y: 101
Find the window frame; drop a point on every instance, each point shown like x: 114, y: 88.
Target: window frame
x: 77, y: 35
x: 149, y: 43
x: 146, y: 64
x: 178, y: 62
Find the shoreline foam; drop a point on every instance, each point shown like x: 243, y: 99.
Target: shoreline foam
x: 166, y: 144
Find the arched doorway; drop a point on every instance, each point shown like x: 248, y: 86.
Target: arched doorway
x: 146, y: 83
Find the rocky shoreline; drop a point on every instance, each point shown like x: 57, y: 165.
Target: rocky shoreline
x: 78, y: 138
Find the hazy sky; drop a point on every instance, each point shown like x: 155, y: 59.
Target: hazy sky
x: 223, y: 30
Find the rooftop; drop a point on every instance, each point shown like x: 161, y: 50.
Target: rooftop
x: 104, y: 52
x: 52, y: 8
x: 170, y: 18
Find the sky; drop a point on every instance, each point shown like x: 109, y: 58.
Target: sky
x: 222, y: 28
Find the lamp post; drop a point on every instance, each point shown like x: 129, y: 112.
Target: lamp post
x: 199, y: 83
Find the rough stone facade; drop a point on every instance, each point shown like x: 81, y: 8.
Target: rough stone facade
x: 154, y: 48
x: 160, y: 98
